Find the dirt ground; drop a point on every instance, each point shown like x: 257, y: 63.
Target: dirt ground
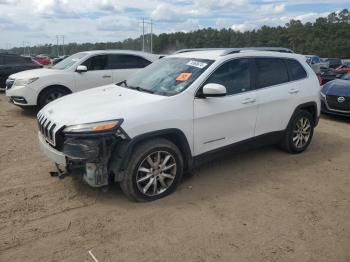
x: 262, y: 205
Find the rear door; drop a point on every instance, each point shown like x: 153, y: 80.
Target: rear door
x: 221, y: 121
x: 278, y: 95
x: 123, y: 66
x: 97, y: 75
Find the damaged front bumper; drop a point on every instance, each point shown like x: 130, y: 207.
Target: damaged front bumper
x: 86, y: 155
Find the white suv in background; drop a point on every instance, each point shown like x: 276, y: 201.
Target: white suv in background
x: 146, y: 132
x: 78, y: 72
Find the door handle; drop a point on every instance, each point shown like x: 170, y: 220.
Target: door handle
x: 106, y: 76
x: 293, y: 91
x: 249, y: 101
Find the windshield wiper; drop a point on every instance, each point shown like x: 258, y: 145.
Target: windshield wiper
x: 124, y: 83
x: 141, y: 89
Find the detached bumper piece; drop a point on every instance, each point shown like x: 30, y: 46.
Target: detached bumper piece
x: 91, y: 156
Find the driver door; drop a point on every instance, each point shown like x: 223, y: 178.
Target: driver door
x: 222, y: 121
x: 97, y: 74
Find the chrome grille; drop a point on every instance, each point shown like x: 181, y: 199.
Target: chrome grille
x: 47, y: 128
x: 334, y: 104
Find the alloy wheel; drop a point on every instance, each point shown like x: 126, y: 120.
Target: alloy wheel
x: 156, y: 173
x: 301, y: 132
x: 53, y: 96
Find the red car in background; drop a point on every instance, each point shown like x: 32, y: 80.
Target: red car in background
x: 43, y: 59
x: 345, y: 67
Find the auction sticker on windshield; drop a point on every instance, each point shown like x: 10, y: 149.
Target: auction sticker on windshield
x: 197, y: 64
x: 183, y: 76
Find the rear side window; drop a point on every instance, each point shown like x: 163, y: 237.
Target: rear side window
x: 126, y: 62
x: 98, y: 62
x: 235, y: 75
x: 295, y: 69
x: 270, y: 72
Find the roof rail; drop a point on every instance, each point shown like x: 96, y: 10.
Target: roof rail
x: 227, y: 51
x: 271, y: 49
x: 197, y: 49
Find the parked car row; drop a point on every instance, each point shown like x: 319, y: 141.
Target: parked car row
x: 327, y: 69
x: 11, y: 64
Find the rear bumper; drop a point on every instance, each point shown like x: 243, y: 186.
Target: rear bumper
x: 53, y: 154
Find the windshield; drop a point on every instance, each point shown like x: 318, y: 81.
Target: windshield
x: 169, y: 76
x: 69, y: 61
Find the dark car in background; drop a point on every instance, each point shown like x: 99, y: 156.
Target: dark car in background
x: 59, y: 59
x: 345, y: 67
x: 12, y: 63
x: 335, y: 96
x: 334, y: 62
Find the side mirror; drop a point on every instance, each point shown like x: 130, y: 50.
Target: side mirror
x: 213, y: 90
x: 81, y: 68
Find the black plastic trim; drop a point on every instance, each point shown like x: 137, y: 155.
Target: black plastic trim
x: 182, y: 144
x: 306, y: 105
x: 251, y: 143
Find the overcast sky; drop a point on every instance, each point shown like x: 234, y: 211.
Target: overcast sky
x: 38, y: 21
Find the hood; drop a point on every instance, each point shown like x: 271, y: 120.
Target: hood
x: 36, y: 73
x: 338, y: 87
x: 99, y: 104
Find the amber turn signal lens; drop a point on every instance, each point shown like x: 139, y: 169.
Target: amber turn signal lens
x: 104, y: 127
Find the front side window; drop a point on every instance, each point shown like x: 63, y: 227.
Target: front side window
x: 295, y: 69
x: 270, y: 72
x: 235, y: 75
x: 169, y: 76
x: 119, y: 61
x: 98, y: 62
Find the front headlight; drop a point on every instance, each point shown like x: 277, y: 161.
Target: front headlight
x: 94, y: 127
x: 24, y: 82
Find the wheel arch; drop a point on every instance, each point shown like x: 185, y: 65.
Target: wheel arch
x: 50, y: 87
x: 311, y: 107
x: 124, y: 149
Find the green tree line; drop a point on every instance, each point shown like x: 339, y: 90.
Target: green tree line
x: 326, y: 37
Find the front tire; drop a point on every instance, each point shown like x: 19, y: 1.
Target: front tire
x: 154, y: 171
x: 299, y: 133
x: 50, y: 95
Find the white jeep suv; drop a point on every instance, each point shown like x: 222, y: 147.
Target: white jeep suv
x: 76, y: 73
x: 146, y: 132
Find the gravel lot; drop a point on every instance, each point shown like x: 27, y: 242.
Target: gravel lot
x: 262, y: 205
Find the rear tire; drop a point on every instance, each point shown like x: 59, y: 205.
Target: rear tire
x: 299, y: 133
x: 51, y: 94
x: 154, y: 171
